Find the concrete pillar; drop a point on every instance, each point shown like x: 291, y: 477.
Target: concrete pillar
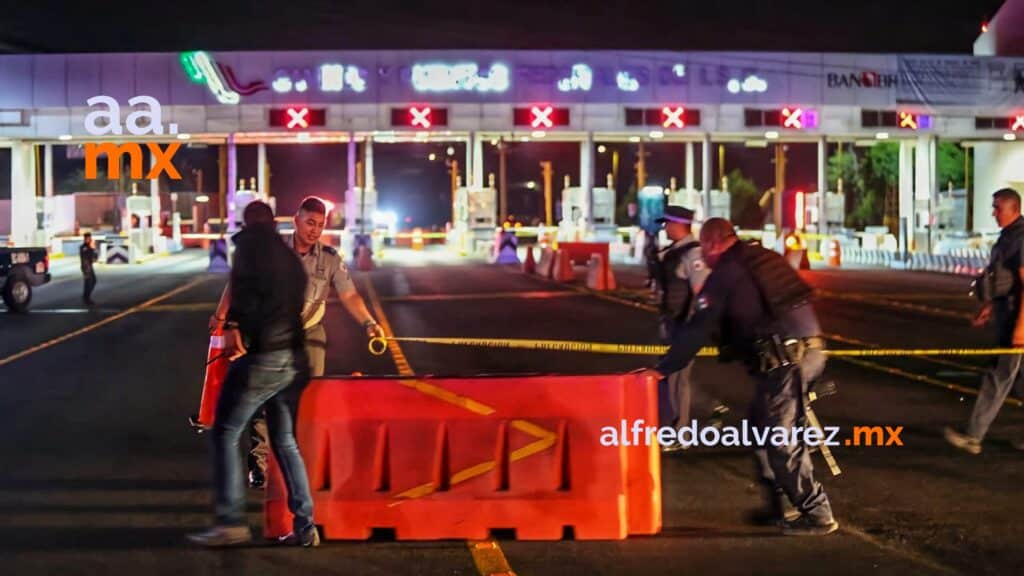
x: 48, y: 190
x: 23, y: 193
x: 822, y: 186
x: 906, y: 196
x: 478, y: 160
x: 468, y: 166
x: 261, y: 167
x: 924, y: 181
x: 232, y: 182
x: 350, y: 190
x: 689, y: 165
x: 371, y: 183
x: 705, y: 176
x: 154, y: 205
x: 587, y: 178
x: 48, y: 174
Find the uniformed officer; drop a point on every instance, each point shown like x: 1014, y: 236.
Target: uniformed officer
x: 680, y: 273
x: 325, y: 269
x: 762, y: 310
x: 1000, y: 289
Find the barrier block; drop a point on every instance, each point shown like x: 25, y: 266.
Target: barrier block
x: 455, y: 458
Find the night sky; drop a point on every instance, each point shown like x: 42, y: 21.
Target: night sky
x: 410, y: 183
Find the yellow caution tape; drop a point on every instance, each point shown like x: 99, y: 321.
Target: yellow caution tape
x: 379, y: 345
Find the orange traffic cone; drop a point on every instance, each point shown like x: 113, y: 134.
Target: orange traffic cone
x: 529, y: 264
x: 599, y: 274
x: 216, y: 370
x: 563, y: 267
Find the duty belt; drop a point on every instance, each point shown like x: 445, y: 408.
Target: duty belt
x: 777, y: 352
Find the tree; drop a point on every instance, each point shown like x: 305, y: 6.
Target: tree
x: 949, y: 160
x: 744, y: 209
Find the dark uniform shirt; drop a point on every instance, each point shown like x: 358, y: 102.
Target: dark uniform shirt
x: 268, y: 287
x: 732, y: 303
x: 1007, y: 259
x: 87, y: 256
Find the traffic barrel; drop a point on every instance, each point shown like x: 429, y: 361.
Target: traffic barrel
x: 563, y: 271
x: 834, y: 253
x: 507, y: 247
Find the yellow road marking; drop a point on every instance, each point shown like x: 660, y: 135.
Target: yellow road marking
x: 101, y: 323
x: 487, y: 554
x: 192, y: 307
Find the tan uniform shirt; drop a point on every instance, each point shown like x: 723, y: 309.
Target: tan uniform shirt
x: 324, y: 268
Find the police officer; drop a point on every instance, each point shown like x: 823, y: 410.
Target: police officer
x: 325, y: 269
x: 762, y: 310
x: 680, y: 273
x: 87, y: 257
x: 1000, y: 289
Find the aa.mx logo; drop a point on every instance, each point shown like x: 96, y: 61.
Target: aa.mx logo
x: 108, y: 121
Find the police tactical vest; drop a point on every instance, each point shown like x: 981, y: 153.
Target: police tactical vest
x: 676, y: 293
x: 782, y: 290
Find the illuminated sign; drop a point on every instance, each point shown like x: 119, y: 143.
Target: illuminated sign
x: 792, y: 117
x: 334, y: 78
x: 541, y: 116
x: 1012, y: 123
x: 864, y: 79
x: 420, y: 117
x: 750, y: 84
x: 297, y: 117
x: 461, y: 77
x: 199, y: 67
x: 626, y: 82
x: 667, y: 117
x: 580, y: 78
x: 892, y: 119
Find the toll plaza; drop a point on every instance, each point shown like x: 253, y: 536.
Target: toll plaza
x: 497, y: 427
x: 480, y: 99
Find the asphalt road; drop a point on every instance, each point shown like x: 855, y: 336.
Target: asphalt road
x: 101, y: 474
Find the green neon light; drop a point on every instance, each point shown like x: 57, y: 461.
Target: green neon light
x: 191, y: 70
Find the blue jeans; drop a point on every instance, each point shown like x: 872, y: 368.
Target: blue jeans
x: 274, y: 380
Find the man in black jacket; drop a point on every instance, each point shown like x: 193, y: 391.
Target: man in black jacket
x: 264, y: 339
x: 87, y: 256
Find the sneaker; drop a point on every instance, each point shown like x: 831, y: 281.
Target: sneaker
x: 717, y: 418
x: 962, y: 441
x: 221, y: 536
x: 806, y: 526
x: 307, y: 538
x: 672, y: 447
x: 256, y: 479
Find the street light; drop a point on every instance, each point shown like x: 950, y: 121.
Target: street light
x: 450, y: 151
x: 432, y: 157
x: 531, y: 184
x: 601, y: 149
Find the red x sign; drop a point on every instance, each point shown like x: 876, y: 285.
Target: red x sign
x: 672, y: 117
x: 298, y: 117
x: 908, y: 120
x: 1018, y: 123
x: 420, y: 117
x: 793, y: 118
x: 541, y: 117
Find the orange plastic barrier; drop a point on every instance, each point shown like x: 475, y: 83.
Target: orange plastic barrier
x: 456, y: 458
x: 579, y: 252
x: 216, y: 369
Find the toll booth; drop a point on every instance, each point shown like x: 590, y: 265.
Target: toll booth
x: 136, y: 226
x: 835, y: 211
x: 605, y: 229
x: 244, y: 196
x: 721, y: 203
x: 951, y: 211
x: 360, y: 205
x: 572, y: 225
x: 476, y: 217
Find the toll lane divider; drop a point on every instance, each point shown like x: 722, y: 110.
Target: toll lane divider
x: 380, y: 455
x: 379, y: 345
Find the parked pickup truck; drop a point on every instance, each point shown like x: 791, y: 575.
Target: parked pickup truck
x: 21, y: 269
